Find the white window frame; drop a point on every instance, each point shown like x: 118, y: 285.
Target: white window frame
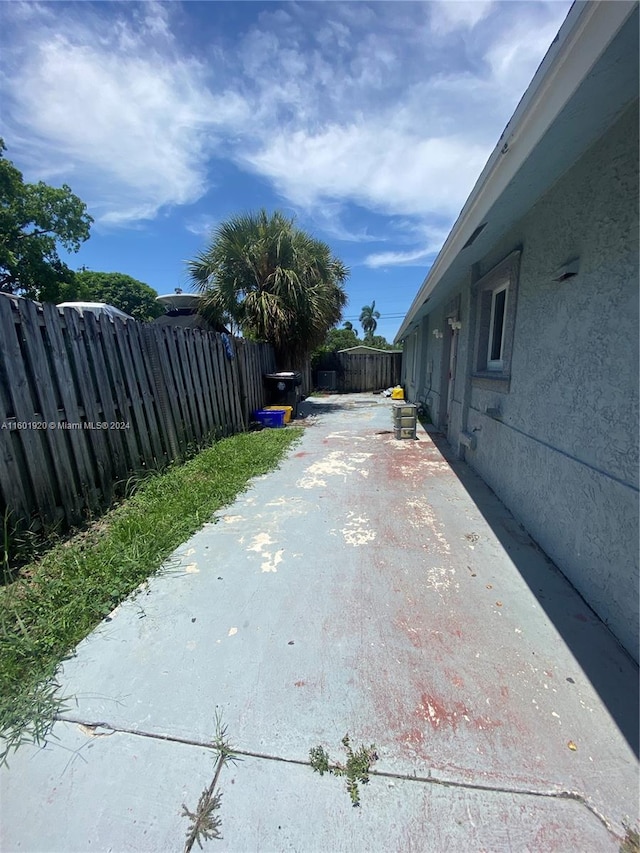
x: 497, y: 363
x: 495, y: 374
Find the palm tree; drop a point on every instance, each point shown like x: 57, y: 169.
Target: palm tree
x: 277, y: 282
x: 369, y: 319
x: 348, y: 325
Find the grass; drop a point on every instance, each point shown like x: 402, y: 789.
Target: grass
x: 58, y: 599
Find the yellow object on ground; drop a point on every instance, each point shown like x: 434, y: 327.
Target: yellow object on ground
x: 288, y: 411
x: 397, y: 393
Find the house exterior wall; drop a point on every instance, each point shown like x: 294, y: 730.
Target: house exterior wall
x: 560, y: 445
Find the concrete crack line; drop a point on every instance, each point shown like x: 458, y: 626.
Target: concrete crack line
x: 108, y: 729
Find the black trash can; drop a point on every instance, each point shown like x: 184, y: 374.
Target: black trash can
x: 284, y: 389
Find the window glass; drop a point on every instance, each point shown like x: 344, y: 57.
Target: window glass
x: 497, y: 323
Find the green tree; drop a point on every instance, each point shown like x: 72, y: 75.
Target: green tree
x: 128, y: 294
x: 338, y: 339
x: 34, y: 218
x: 274, y: 280
x: 324, y: 356
x: 369, y: 319
x: 379, y: 342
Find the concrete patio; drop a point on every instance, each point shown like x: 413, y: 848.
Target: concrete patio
x: 368, y: 586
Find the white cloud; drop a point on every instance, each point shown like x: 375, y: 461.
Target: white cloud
x: 515, y: 57
x: 142, y: 121
x: 430, y: 241
x: 450, y: 15
x: 391, y: 107
x: 382, y: 166
x: 202, y: 225
x: 330, y: 217
x: 394, y: 259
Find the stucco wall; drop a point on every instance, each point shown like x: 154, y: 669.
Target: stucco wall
x: 563, y: 454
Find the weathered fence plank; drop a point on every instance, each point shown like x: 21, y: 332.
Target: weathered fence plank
x: 200, y: 344
x: 45, y: 393
x: 25, y: 412
x: 152, y: 337
x: 233, y: 385
x: 368, y: 371
x: 105, y: 394
x: 138, y: 423
x: 141, y: 366
x: 13, y: 486
x: 217, y: 357
x: 208, y: 351
x: 62, y: 375
x: 89, y: 377
x: 179, y: 398
x: 88, y: 403
x: 122, y: 402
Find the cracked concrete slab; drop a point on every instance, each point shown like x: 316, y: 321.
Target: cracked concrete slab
x: 124, y: 792
x: 439, y: 632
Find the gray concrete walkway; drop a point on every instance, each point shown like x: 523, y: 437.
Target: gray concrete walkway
x: 369, y: 586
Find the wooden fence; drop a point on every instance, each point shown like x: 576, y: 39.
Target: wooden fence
x: 365, y: 372
x: 86, y: 401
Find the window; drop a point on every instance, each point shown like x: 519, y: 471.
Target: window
x: 496, y: 329
x: 495, y: 301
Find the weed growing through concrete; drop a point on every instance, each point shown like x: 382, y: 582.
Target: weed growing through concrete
x: 356, y: 768
x: 205, y: 822
x: 631, y: 841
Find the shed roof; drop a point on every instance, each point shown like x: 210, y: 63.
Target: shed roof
x: 363, y: 348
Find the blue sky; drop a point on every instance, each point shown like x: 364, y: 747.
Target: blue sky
x: 369, y: 122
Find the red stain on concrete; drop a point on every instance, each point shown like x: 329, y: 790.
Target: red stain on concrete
x: 504, y: 691
x: 413, y: 632
x: 435, y: 712
x: 454, y: 678
x: 412, y: 737
x: 299, y: 683
x: 301, y: 454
